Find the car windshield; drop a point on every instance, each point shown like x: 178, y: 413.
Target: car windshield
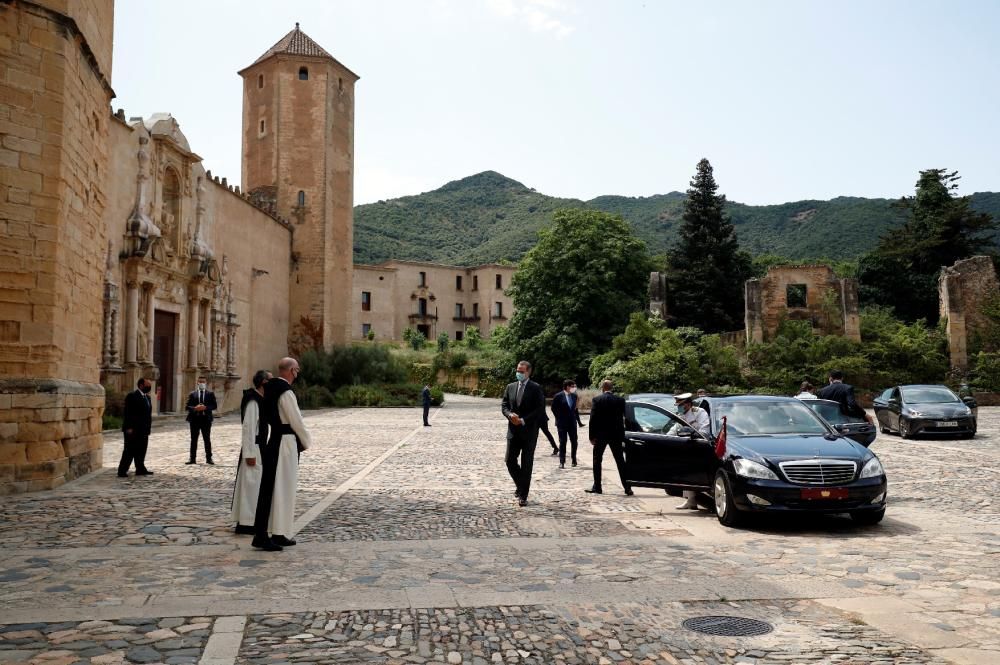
x: 831, y: 412
x: 752, y: 418
x: 929, y: 395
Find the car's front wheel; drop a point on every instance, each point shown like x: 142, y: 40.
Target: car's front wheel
x: 904, y: 428
x: 868, y: 516
x: 725, y: 509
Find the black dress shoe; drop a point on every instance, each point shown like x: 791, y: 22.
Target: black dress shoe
x: 555, y: 451
x: 191, y: 461
x: 281, y: 541
x: 123, y: 475
x: 628, y: 491
x: 244, y: 530
x: 562, y: 465
x: 574, y: 462
x: 265, y: 544
x: 144, y: 472
x: 210, y: 462
x: 594, y: 490
x: 522, y: 502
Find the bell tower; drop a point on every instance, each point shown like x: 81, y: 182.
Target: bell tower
x: 298, y: 159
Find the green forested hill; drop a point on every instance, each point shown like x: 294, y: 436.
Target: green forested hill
x: 489, y: 217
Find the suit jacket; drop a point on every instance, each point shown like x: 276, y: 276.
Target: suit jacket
x: 607, y: 418
x: 208, y: 401
x: 844, y: 394
x: 426, y: 395
x: 138, y: 415
x: 566, y: 418
x: 531, y: 409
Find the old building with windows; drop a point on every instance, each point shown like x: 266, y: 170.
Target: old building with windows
x: 430, y: 298
x: 122, y: 257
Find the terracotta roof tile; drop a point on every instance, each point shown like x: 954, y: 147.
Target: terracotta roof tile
x: 295, y: 42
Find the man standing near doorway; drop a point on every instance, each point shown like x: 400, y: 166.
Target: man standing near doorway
x: 201, y: 406
x: 564, y: 408
x: 136, y: 423
x: 524, y: 408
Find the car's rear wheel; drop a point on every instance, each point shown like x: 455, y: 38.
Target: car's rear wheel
x: 904, y: 429
x: 725, y: 509
x: 868, y: 516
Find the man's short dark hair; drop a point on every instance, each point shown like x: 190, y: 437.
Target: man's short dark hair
x: 201, y: 376
x: 567, y: 383
x: 524, y: 362
x: 260, y: 378
x: 836, y: 375
x: 138, y: 384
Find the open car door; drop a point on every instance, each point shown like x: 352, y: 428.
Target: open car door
x: 662, y: 451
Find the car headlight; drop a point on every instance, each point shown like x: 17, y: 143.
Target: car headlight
x: 918, y: 414
x: 748, y: 469
x: 872, y: 469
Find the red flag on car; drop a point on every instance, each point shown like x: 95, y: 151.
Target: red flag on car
x: 720, y: 441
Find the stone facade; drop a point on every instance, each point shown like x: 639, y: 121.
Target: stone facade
x: 429, y: 297
x: 964, y: 289
x: 806, y: 293
x: 121, y: 257
x: 55, y: 64
x: 298, y: 155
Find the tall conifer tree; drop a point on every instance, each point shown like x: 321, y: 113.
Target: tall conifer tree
x: 706, y: 269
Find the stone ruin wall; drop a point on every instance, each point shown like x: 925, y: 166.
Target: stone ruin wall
x: 964, y: 288
x: 767, y: 302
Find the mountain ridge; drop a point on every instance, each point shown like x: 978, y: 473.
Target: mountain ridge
x: 488, y: 217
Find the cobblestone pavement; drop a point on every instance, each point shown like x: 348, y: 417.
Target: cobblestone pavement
x: 411, y: 550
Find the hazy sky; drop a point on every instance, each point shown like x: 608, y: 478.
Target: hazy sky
x: 788, y: 99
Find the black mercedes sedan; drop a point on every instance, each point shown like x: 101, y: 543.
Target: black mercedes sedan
x: 852, y: 427
x: 925, y: 409
x: 778, y: 457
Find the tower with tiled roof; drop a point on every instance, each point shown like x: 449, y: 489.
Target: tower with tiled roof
x: 298, y: 156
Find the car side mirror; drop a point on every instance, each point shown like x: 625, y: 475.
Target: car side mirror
x: 687, y: 432
x: 970, y: 402
x: 840, y: 428
x: 893, y: 401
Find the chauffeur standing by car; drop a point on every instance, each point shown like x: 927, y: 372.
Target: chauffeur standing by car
x: 843, y: 394
x: 697, y: 419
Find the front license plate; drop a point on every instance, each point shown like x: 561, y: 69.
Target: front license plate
x: 948, y: 423
x: 831, y: 493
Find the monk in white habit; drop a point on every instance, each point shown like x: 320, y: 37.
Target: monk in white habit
x: 275, y: 515
x: 249, y: 466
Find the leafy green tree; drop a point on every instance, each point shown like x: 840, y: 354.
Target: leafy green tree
x: 442, y: 341
x: 417, y: 340
x: 940, y: 228
x: 472, y: 337
x: 706, y: 269
x: 574, y: 291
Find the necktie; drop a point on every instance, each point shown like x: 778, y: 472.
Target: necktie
x: 520, y: 392
x: 201, y: 397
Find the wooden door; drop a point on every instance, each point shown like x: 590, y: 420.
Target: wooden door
x: 164, y: 348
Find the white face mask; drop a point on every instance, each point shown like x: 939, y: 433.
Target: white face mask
x: 572, y: 390
x: 202, y: 386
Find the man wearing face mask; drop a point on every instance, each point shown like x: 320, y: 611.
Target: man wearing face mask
x: 564, y: 408
x: 201, y: 406
x: 136, y: 422
x: 524, y: 408
x: 697, y: 419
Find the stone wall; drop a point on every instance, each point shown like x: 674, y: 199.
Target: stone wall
x: 829, y: 304
x: 396, y: 290
x: 54, y: 98
x: 964, y: 288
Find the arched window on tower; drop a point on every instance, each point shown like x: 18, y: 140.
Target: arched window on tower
x: 303, y: 73
x: 260, y: 80
x: 302, y: 199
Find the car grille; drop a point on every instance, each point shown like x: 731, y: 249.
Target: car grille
x: 819, y: 472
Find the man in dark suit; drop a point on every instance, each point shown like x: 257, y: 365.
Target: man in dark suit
x: 843, y: 394
x: 564, y: 408
x: 607, y: 429
x: 136, y: 422
x: 426, y: 395
x: 524, y: 408
x: 201, y: 406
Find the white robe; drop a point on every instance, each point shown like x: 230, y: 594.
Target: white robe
x: 248, y: 477
x: 286, y: 481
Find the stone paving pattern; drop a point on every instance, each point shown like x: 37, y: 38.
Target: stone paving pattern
x: 412, y: 550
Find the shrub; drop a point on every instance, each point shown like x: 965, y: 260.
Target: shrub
x: 442, y: 341
x: 114, y: 402
x: 315, y: 397
x: 472, y: 337
x: 359, y: 395
x: 371, y: 335
x: 417, y: 341
x: 109, y: 422
x: 986, y: 371
x: 458, y: 360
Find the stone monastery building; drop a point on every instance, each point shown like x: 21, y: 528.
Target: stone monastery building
x: 121, y: 257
